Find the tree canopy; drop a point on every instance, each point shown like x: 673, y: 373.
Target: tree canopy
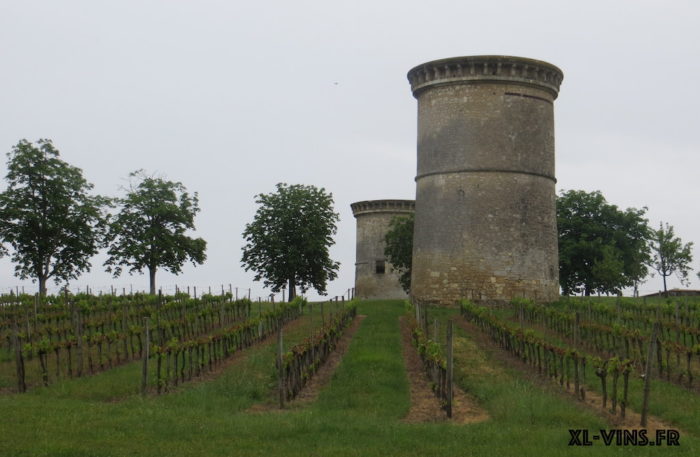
x: 150, y: 230
x: 47, y: 216
x: 289, y: 239
x: 601, y: 248
x: 670, y: 254
x: 398, y: 248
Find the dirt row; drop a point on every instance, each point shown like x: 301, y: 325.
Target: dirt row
x: 425, y: 406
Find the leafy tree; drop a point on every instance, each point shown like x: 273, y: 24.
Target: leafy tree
x: 47, y: 216
x: 289, y: 238
x: 150, y: 230
x: 670, y: 254
x: 601, y: 248
x: 399, y: 248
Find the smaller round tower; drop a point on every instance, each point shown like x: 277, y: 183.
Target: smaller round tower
x: 374, y: 275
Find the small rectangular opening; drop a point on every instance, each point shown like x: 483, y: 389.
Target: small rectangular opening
x: 380, y: 267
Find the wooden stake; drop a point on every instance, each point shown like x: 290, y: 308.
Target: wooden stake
x: 36, y: 311
x: 280, y: 352
x: 647, y: 374
x: 521, y: 314
x: 16, y: 342
x: 576, y: 375
x: 78, y: 337
x: 450, y: 369
x: 144, y: 371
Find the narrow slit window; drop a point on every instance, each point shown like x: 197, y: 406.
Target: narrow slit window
x: 380, y: 267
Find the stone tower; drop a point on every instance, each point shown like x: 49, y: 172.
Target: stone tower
x: 374, y: 278
x: 485, y: 225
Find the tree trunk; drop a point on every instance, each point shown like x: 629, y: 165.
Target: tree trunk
x: 665, y: 291
x: 152, y: 276
x: 42, y: 285
x: 292, y: 289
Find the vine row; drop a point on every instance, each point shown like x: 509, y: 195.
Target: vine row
x: 302, y: 361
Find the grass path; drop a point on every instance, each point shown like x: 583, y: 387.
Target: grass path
x: 358, y: 414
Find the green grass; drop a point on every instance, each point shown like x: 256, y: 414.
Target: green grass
x: 357, y: 414
x: 668, y: 401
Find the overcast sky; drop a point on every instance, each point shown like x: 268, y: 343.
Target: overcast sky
x: 232, y: 97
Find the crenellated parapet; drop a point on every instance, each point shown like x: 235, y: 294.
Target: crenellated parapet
x: 383, y: 206
x: 491, y: 69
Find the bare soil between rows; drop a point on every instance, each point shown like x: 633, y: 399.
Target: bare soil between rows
x: 425, y: 406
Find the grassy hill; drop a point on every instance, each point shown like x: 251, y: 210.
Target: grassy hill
x: 357, y: 414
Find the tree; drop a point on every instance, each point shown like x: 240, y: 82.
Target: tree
x: 670, y: 254
x: 601, y: 248
x: 47, y: 216
x: 288, y: 240
x: 150, y: 230
x: 399, y: 248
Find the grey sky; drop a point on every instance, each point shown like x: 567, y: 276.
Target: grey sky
x: 233, y: 97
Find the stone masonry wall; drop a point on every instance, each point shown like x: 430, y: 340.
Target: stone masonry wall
x: 485, y: 224
x: 373, y: 218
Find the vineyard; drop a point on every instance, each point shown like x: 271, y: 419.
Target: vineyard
x: 614, y: 340
x: 76, y: 336
x: 624, y: 344
x: 217, y: 369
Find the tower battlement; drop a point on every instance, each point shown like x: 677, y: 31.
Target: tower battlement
x: 383, y: 206
x: 488, y: 69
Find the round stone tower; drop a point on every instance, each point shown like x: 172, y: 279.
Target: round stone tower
x: 374, y: 275
x: 485, y: 226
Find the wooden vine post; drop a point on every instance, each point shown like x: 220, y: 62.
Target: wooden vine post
x: 678, y: 322
x: 78, y: 335
x: 16, y: 342
x: 125, y: 330
x: 144, y: 371
x: 521, y: 314
x: 450, y: 369
x: 161, y: 342
x: 36, y: 311
x: 280, y: 364
x: 311, y: 327
x: 577, y: 372
x: 647, y: 373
